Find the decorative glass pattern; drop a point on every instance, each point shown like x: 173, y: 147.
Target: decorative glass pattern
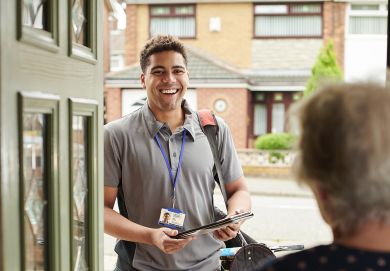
x: 35, y: 14
x: 35, y: 196
x: 80, y: 193
x: 79, y: 22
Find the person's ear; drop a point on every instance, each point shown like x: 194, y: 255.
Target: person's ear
x: 322, y: 197
x: 320, y: 193
x: 143, y: 80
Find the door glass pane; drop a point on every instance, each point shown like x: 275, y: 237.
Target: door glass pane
x: 80, y: 194
x: 277, y: 118
x: 79, y: 22
x: 35, y: 196
x: 35, y: 13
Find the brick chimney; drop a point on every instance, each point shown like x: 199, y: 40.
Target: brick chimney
x: 131, y: 35
x: 334, y: 28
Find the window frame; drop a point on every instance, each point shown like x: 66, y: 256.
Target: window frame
x: 288, y: 14
x: 78, y: 51
x: 47, y: 40
x: 48, y: 104
x: 89, y: 109
x: 172, y: 15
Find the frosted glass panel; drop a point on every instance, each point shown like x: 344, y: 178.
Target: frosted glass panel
x: 278, y: 118
x: 288, y: 26
x: 368, y: 25
x: 260, y: 119
x: 180, y: 27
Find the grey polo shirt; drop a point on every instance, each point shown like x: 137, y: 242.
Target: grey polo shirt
x: 134, y: 160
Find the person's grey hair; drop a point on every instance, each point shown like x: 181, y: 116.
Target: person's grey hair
x: 344, y: 147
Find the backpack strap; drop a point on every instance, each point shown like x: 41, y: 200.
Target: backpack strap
x: 210, y: 128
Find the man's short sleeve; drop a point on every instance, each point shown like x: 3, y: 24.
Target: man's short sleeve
x: 112, y: 161
x: 231, y: 167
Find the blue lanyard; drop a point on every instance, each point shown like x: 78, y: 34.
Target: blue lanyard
x: 173, y: 180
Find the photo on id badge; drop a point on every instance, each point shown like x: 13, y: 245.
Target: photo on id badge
x: 171, y: 218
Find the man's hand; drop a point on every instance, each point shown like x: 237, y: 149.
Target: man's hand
x: 161, y: 238
x: 230, y: 231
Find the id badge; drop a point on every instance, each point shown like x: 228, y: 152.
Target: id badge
x: 171, y: 218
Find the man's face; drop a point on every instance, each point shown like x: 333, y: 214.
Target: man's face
x: 165, y: 80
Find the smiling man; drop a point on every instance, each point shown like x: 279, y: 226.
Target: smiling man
x: 159, y: 162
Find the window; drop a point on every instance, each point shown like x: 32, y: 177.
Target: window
x: 368, y: 19
x: 288, y: 20
x: 269, y: 111
x: 117, y: 62
x: 176, y: 20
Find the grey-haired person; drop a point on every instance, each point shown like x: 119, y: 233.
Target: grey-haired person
x: 344, y: 157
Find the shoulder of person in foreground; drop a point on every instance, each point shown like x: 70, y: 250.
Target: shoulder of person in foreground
x: 301, y: 260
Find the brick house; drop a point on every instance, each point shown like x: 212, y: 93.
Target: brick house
x: 266, y: 47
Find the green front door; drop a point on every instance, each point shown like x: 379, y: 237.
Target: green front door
x: 51, y: 98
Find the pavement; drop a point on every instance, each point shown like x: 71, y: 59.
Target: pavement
x: 256, y: 186
x: 277, y: 187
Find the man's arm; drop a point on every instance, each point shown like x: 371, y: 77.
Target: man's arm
x: 124, y: 229
x: 238, y: 201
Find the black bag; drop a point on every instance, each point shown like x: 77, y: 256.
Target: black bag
x: 250, y: 257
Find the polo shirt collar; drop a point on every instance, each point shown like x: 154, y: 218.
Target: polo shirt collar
x: 153, y: 125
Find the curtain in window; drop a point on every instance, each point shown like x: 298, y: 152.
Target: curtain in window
x: 367, y: 25
x: 278, y: 118
x: 260, y: 119
x: 179, y: 26
x: 288, y: 26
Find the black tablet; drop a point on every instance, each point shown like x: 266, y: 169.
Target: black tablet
x: 214, y: 226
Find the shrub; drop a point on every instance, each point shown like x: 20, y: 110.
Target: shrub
x: 324, y: 70
x: 280, y: 141
x: 275, y: 156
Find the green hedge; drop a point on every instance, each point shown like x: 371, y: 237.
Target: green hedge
x: 280, y: 141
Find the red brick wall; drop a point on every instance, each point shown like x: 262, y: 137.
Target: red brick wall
x: 334, y: 27
x: 236, y: 114
x: 131, y: 35
x: 113, y: 103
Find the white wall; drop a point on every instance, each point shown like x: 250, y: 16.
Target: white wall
x: 131, y: 96
x: 365, y: 41
x: 365, y: 58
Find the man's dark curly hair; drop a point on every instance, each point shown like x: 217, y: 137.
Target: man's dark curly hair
x: 161, y: 44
